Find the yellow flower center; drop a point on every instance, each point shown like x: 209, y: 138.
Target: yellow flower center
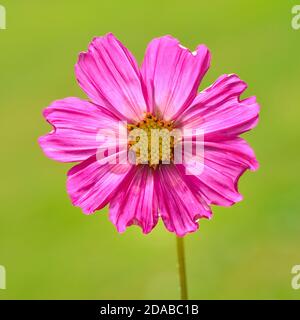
x: 150, y: 141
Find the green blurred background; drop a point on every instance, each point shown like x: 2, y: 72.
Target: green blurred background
x: 52, y: 251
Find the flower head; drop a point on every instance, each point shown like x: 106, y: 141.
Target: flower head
x: 149, y: 104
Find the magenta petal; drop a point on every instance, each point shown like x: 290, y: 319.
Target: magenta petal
x: 91, y: 185
x: 76, y: 123
x: 179, y: 207
x: 135, y: 201
x: 172, y: 75
x: 110, y: 76
x: 219, y: 111
x: 224, y: 163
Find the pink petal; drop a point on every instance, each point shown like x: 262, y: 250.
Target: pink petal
x: 110, y: 76
x: 76, y: 124
x: 91, y: 185
x: 135, y: 202
x: 224, y: 163
x: 219, y: 112
x: 179, y: 206
x: 172, y: 75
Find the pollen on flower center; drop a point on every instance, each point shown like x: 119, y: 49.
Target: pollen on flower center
x: 150, y: 141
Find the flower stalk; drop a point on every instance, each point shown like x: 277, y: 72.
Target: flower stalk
x: 181, y: 268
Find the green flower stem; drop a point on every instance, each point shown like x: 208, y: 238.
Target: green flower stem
x: 181, y: 268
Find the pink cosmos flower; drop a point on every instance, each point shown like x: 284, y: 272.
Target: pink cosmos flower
x: 165, y: 88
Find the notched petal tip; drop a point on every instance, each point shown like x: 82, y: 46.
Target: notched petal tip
x: 185, y: 232
x: 169, y: 39
x: 121, y: 228
x: 86, y: 212
x: 108, y: 35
